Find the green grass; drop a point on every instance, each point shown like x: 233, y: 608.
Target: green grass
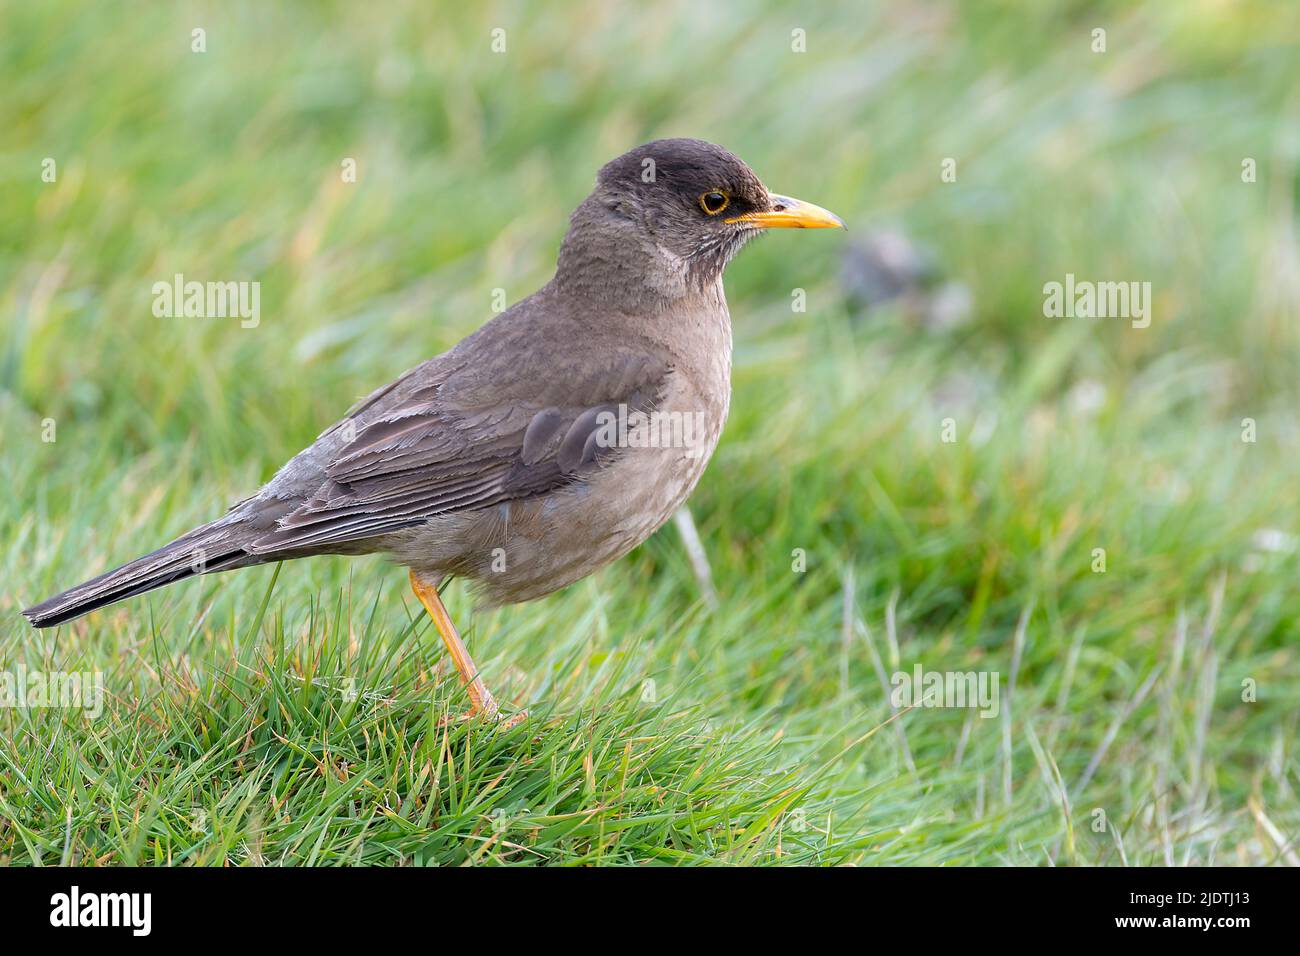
x: 292, y: 715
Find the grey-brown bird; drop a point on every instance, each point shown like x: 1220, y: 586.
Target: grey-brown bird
x: 545, y: 445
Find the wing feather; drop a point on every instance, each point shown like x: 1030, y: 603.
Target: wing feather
x: 439, y: 447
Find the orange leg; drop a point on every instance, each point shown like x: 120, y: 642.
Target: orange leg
x: 480, y: 698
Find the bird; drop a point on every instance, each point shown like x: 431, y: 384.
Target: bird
x: 543, y: 446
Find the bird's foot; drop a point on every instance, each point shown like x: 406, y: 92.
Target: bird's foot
x: 491, y: 714
x: 481, y: 701
x: 514, y: 720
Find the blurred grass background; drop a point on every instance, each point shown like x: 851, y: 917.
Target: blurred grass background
x: 1124, y: 687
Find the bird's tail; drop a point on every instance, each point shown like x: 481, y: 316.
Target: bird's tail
x: 212, y: 547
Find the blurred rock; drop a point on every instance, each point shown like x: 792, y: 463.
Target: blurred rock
x: 885, y: 267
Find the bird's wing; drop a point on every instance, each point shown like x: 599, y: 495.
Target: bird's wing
x: 468, y: 437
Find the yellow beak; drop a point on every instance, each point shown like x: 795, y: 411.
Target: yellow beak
x: 787, y: 213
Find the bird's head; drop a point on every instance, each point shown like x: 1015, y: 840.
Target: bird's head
x: 672, y: 213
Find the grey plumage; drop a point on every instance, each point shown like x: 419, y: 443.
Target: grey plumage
x: 487, y: 461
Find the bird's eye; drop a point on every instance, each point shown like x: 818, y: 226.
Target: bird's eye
x: 713, y: 202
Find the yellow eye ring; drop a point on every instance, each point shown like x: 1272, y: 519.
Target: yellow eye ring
x: 714, y: 201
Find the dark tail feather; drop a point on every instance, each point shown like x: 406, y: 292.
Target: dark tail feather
x: 210, y: 548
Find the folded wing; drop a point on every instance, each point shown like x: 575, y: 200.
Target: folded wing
x: 464, y: 441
